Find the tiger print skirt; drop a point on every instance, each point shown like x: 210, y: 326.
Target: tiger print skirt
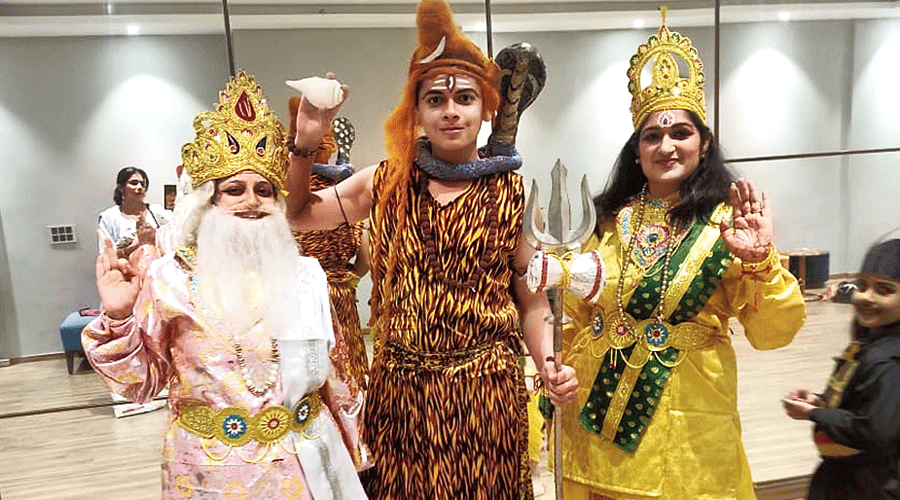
x: 449, y: 426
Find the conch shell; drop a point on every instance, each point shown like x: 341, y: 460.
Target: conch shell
x: 323, y: 93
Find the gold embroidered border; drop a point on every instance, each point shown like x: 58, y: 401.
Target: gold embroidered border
x: 639, y: 357
x: 841, y: 376
x: 834, y: 450
x: 839, y: 382
x: 690, y: 267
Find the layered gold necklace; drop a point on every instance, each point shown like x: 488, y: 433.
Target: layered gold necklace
x: 271, y: 369
x: 655, y: 240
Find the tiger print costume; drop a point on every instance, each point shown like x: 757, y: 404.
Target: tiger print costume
x: 446, y: 414
x: 334, y: 250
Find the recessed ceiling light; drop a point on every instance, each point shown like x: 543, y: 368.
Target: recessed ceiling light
x: 784, y: 15
x: 133, y: 29
x: 638, y: 23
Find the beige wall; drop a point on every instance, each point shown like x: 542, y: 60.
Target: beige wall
x: 73, y: 111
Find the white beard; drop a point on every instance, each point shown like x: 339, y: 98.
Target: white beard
x: 248, y: 270
x: 190, y: 205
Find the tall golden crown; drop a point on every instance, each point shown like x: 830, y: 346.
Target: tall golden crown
x: 667, y: 90
x: 241, y: 134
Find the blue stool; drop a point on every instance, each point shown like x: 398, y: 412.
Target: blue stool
x: 70, y: 332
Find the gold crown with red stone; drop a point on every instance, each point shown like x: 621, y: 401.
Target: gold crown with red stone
x: 667, y: 89
x: 242, y: 133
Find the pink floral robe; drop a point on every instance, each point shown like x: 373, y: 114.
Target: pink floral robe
x: 172, y: 342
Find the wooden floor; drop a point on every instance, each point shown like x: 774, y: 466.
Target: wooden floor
x: 88, y: 454
x: 777, y: 446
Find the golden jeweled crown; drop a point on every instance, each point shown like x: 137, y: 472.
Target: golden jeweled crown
x: 241, y: 134
x: 667, y: 90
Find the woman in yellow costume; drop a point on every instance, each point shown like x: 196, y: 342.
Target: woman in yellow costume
x: 680, y: 247
x: 343, y: 252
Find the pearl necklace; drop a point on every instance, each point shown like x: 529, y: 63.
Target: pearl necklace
x: 272, y: 370
x: 657, y: 328
x: 246, y: 376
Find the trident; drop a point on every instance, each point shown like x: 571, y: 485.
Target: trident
x: 558, y: 240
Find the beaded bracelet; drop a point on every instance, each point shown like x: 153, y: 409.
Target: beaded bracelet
x: 298, y: 151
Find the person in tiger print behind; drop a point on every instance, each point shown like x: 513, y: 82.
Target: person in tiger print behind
x: 343, y: 252
x: 446, y: 410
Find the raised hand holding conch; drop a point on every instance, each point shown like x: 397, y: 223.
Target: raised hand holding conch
x: 322, y: 98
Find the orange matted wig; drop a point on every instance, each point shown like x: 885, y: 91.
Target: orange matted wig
x: 442, y: 50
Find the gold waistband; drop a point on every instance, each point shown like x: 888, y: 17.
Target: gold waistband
x: 235, y: 426
x: 685, y: 336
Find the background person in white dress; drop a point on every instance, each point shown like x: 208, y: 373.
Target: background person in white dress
x: 131, y: 221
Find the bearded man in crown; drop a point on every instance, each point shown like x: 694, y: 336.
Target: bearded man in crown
x: 236, y: 324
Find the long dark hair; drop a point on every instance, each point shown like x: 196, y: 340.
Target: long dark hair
x: 701, y: 191
x: 122, y: 179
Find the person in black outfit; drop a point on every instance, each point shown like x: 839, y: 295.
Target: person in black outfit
x: 857, y: 418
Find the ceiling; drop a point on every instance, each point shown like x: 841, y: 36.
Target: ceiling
x: 31, y: 18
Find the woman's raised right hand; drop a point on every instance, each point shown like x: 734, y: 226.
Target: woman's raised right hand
x: 117, y: 283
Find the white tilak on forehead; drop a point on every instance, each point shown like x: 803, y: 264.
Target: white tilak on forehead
x: 665, y: 118
x: 450, y: 83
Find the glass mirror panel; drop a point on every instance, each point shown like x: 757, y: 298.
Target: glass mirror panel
x: 875, y: 100
x: 807, y: 78
x: 873, y: 202
x: 809, y: 203
x: 87, y: 88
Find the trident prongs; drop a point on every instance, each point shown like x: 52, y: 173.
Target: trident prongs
x: 559, y: 238
x: 559, y: 221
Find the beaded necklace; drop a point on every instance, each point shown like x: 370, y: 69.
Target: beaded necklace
x: 274, y: 356
x: 431, y: 256
x: 272, y: 370
x: 657, y: 329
